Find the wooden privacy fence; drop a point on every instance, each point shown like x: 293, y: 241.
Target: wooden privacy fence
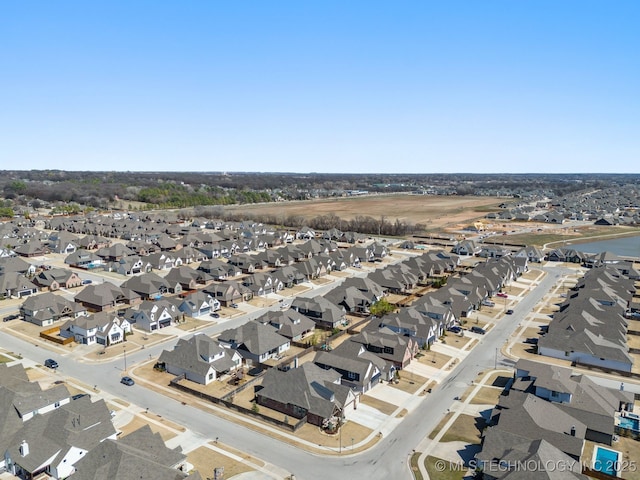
x: 53, y: 334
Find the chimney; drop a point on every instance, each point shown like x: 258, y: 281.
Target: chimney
x: 24, y: 448
x: 572, y: 432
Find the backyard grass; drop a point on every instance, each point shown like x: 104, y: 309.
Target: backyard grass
x: 4, y: 359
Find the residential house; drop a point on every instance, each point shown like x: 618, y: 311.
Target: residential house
x: 187, y: 277
x: 130, y: 265
x: 410, y: 323
x: 289, y: 323
x: 43, y: 431
x: 200, y: 359
x: 388, y: 345
x: 219, y: 270
x: 57, y: 278
x: 163, y: 260
x: 360, y: 369
x: 307, y: 391
x: 591, y: 328
x: 594, y: 405
x: 150, y: 286
x: 15, y: 285
x: 33, y: 248
x: 322, y: 311
x: 256, y: 343
x: 102, y: 328
x: 84, y: 259
x: 229, y: 292
x: 47, y: 308
x: 198, y: 303
x: 99, y: 297
x: 153, y: 315
x: 139, y: 451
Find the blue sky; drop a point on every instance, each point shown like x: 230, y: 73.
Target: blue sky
x: 332, y: 86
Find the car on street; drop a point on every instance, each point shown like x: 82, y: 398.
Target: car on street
x: 51, y: 363
x: 127, y: 381
x: 479, y: 330
x: 509, y: 312
x: 501, y: 295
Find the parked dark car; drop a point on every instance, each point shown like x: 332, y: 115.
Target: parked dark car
x: 79, y: 396
x: 479, y: 330
x: 454, y: 329
x: 127, y: 381
x: 214, y: 315
x: 8, y: 318
x: 51, y: 363
x: 509, y: 312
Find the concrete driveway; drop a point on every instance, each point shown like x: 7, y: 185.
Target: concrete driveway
x: 367, y: 416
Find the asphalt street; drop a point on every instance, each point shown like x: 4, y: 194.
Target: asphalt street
x: 387, y: 459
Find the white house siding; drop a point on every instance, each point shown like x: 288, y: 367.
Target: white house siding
x: 560, y: 397
x: 202, y: 380
x: 66, y: 465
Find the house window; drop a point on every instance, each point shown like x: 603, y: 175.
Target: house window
x: 388, y: 350
x: 211, y: 376
x: 352, y: 375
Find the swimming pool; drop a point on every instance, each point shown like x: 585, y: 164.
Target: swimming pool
x: 629, y: 423
x: 606, y: 461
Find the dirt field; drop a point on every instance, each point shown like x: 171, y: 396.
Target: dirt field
x: 435, y: 212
